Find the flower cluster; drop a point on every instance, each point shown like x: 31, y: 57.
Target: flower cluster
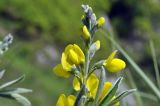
x: 91, y: 90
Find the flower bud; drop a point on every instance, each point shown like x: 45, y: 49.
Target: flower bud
x: 100, y: 21
x: 86, y: 34
x: 98, y: 44
x: 113, y: 64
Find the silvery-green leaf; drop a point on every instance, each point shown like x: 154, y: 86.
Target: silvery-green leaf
x: 121, y: 96
x: 101, y: 83
x: 93, y: 50
x: 21, y: 99
x: 15, y: 90
x: 85, y: 8
x: 111, y: 93
x: 12, y: 82
x: 2, y: 73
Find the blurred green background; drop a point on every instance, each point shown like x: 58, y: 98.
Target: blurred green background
x: 42, y: 28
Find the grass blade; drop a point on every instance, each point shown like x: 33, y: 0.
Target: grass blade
x: 155, y: 63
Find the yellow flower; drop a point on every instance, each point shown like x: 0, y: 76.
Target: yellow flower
x: 76, y: 84
x: 72, y: 56
x: 100, y: 21
x: 59, y: 71
x: 92, y: 85
x: 66, y: 101
x: 114, y: 64
x: 98, y: 44
x: 86, y: 34
x: 106, y: 87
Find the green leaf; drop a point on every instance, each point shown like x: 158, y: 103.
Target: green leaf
x: 15, y: 90
x: 21, y: 99
x: 121, y: 96
x: 12, y: 82
x: 111, y: 93
x: 2, y: 73
x: 101, y: 83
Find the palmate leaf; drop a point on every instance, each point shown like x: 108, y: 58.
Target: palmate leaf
x: 121, y: 96
x: 12, y: 82
x: 111, y: 93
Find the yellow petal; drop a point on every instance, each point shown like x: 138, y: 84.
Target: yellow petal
x: 73, y: 56
x: 65, y: 64
x: 80, y: 53
x: 71, y: 100
x: 86, y: 34
x: 98, y: 44
x: 106, y: 87
x: 76, y: 84
x: 116, y: 65
x: 59, y: 71
x: 111, y: 56
x: 62, y: 101
x: 101, y: 21
x: 68, y: 47
x: 92, y: 84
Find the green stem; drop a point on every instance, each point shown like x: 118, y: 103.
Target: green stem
x: 86, y: 67
x: 155, y: 63
x: 134, y: 65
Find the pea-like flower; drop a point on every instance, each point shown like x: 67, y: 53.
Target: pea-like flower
x: 100, y: 21
x: 113, y: 64
x: 92, y: 85
x: 73, y: 55
x: 85, y: 34
x: 66, y: 101
x: 106, y: 87
x: 59, y: 71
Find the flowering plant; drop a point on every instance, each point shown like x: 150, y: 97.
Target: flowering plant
x: 92, y: 89
x: 6, y: 91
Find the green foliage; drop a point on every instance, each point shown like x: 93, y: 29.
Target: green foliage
x: 57, y: 22
x: 5, y: 89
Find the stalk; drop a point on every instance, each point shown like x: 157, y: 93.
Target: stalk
x: 155, y: 63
